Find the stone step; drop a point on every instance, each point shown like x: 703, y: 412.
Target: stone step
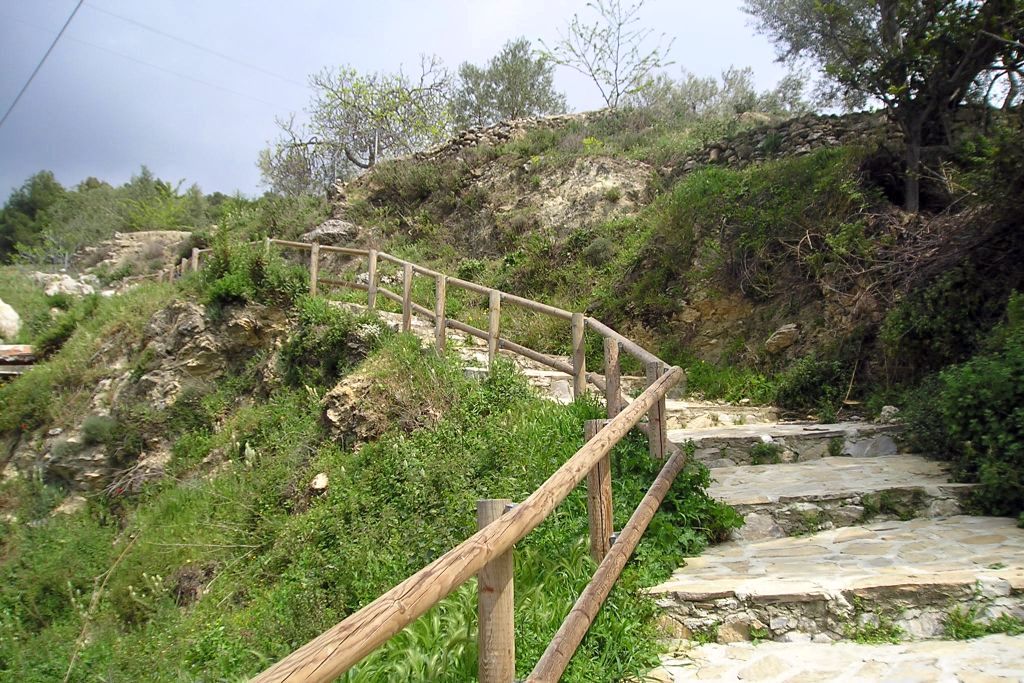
x: 691, y: 415
x: 799, y: 498
x: 899, y: 577
x: 992, y: 659
x: 787, y: 442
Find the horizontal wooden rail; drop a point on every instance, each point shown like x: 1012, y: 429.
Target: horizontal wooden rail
x: 421, y: 270
x: 471, y: 286
x: 467, y: 328
x: 384, y: 256
x: 294, y: 245
x: 388, y: 294
x: 344, y: 645
x: 344, y: 250
x: 536, y: 306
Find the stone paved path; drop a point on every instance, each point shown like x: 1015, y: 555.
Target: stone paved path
x: 827, y: 478
x: 993, y: 659
x: 955, y: 550
x: 795, y: 498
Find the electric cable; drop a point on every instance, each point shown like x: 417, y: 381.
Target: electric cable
x: 41, y: 62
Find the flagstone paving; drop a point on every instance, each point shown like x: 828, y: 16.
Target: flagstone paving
x: 993, y: 659
x: 909, y: 573
x: 783, y: 499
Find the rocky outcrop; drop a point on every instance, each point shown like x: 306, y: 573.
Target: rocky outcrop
x: 135, y: 252
x: 332, y: 232
x: 782, y: 338
x: 10, y: 322
x: 501, y: 132
x: 62, y: 283
x: 183, y: 347
x: 376, y: 399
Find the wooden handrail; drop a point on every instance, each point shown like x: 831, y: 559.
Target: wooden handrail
x: 563, y: 646
x: 629, y: 346
x: 344, y: 645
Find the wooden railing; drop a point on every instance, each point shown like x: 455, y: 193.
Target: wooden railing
x: 487, y: 554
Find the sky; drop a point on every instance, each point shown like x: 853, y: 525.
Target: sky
x: 196, y: 99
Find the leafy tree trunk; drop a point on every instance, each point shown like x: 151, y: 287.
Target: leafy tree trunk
x: 913, y: 133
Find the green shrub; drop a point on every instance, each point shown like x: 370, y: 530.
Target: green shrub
x: 470, y: 269
x: 327, y: 342
x: 940, y: 324
x: 599, y: 252
x: 98, y: 429
x: 814, y: 383
x: 964, y: 623
x: 765, y: 453
x: 973, y: 415
x: 236, y: 274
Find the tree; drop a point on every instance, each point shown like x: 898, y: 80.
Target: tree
x: 612, y: 51
x: 355, y: 120
x: 515, y: 84
x: 26, y: 213
x: 734, y: 93
x: 920, y: 58
x: 300, y: 162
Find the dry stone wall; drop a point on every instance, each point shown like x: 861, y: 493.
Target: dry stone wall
x: 794, y: 137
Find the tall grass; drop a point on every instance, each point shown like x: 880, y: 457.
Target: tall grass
x: 277, y: 566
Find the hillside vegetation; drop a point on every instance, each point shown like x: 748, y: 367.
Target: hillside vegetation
x: 206, y: 552
x: 224, y: 558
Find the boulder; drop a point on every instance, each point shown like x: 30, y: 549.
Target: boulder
x: 62, y: 283
x: 332, y: 232
x: 319, y: 484
x: 782, y: 338
x: 10, y: 322
x: 887, y: 414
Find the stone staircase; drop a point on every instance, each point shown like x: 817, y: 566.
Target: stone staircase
x: 847, y: 542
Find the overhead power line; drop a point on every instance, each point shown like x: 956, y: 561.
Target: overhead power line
x: 41, y: 62
x: 197, y: 46
x: 157, y: 67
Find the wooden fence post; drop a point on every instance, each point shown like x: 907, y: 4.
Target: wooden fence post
x: 314, y: 268
x: 496, y: 640
x: 195, y: 259
x: 613, y: 387
x: 184, y: 265
x: 407, y: 298
x: 371, y: 297
x: 440, y: 323
x: 494, y: 326
x: 266, y: 246
x: 656, y: 436
x: 599, y: 498
x: 579, y: 356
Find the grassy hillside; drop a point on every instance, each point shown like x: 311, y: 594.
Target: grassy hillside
x: 229, y: 562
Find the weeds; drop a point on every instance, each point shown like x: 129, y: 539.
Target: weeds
x: 964, y: 623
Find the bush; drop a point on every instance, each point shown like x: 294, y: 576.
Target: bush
x: 328, y: 342
x: 973, y: 415
x: 241, y: 274
x: 50, y: 339
x: 814, y: 383
x: 941, y: 323
x: 98, y: 429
